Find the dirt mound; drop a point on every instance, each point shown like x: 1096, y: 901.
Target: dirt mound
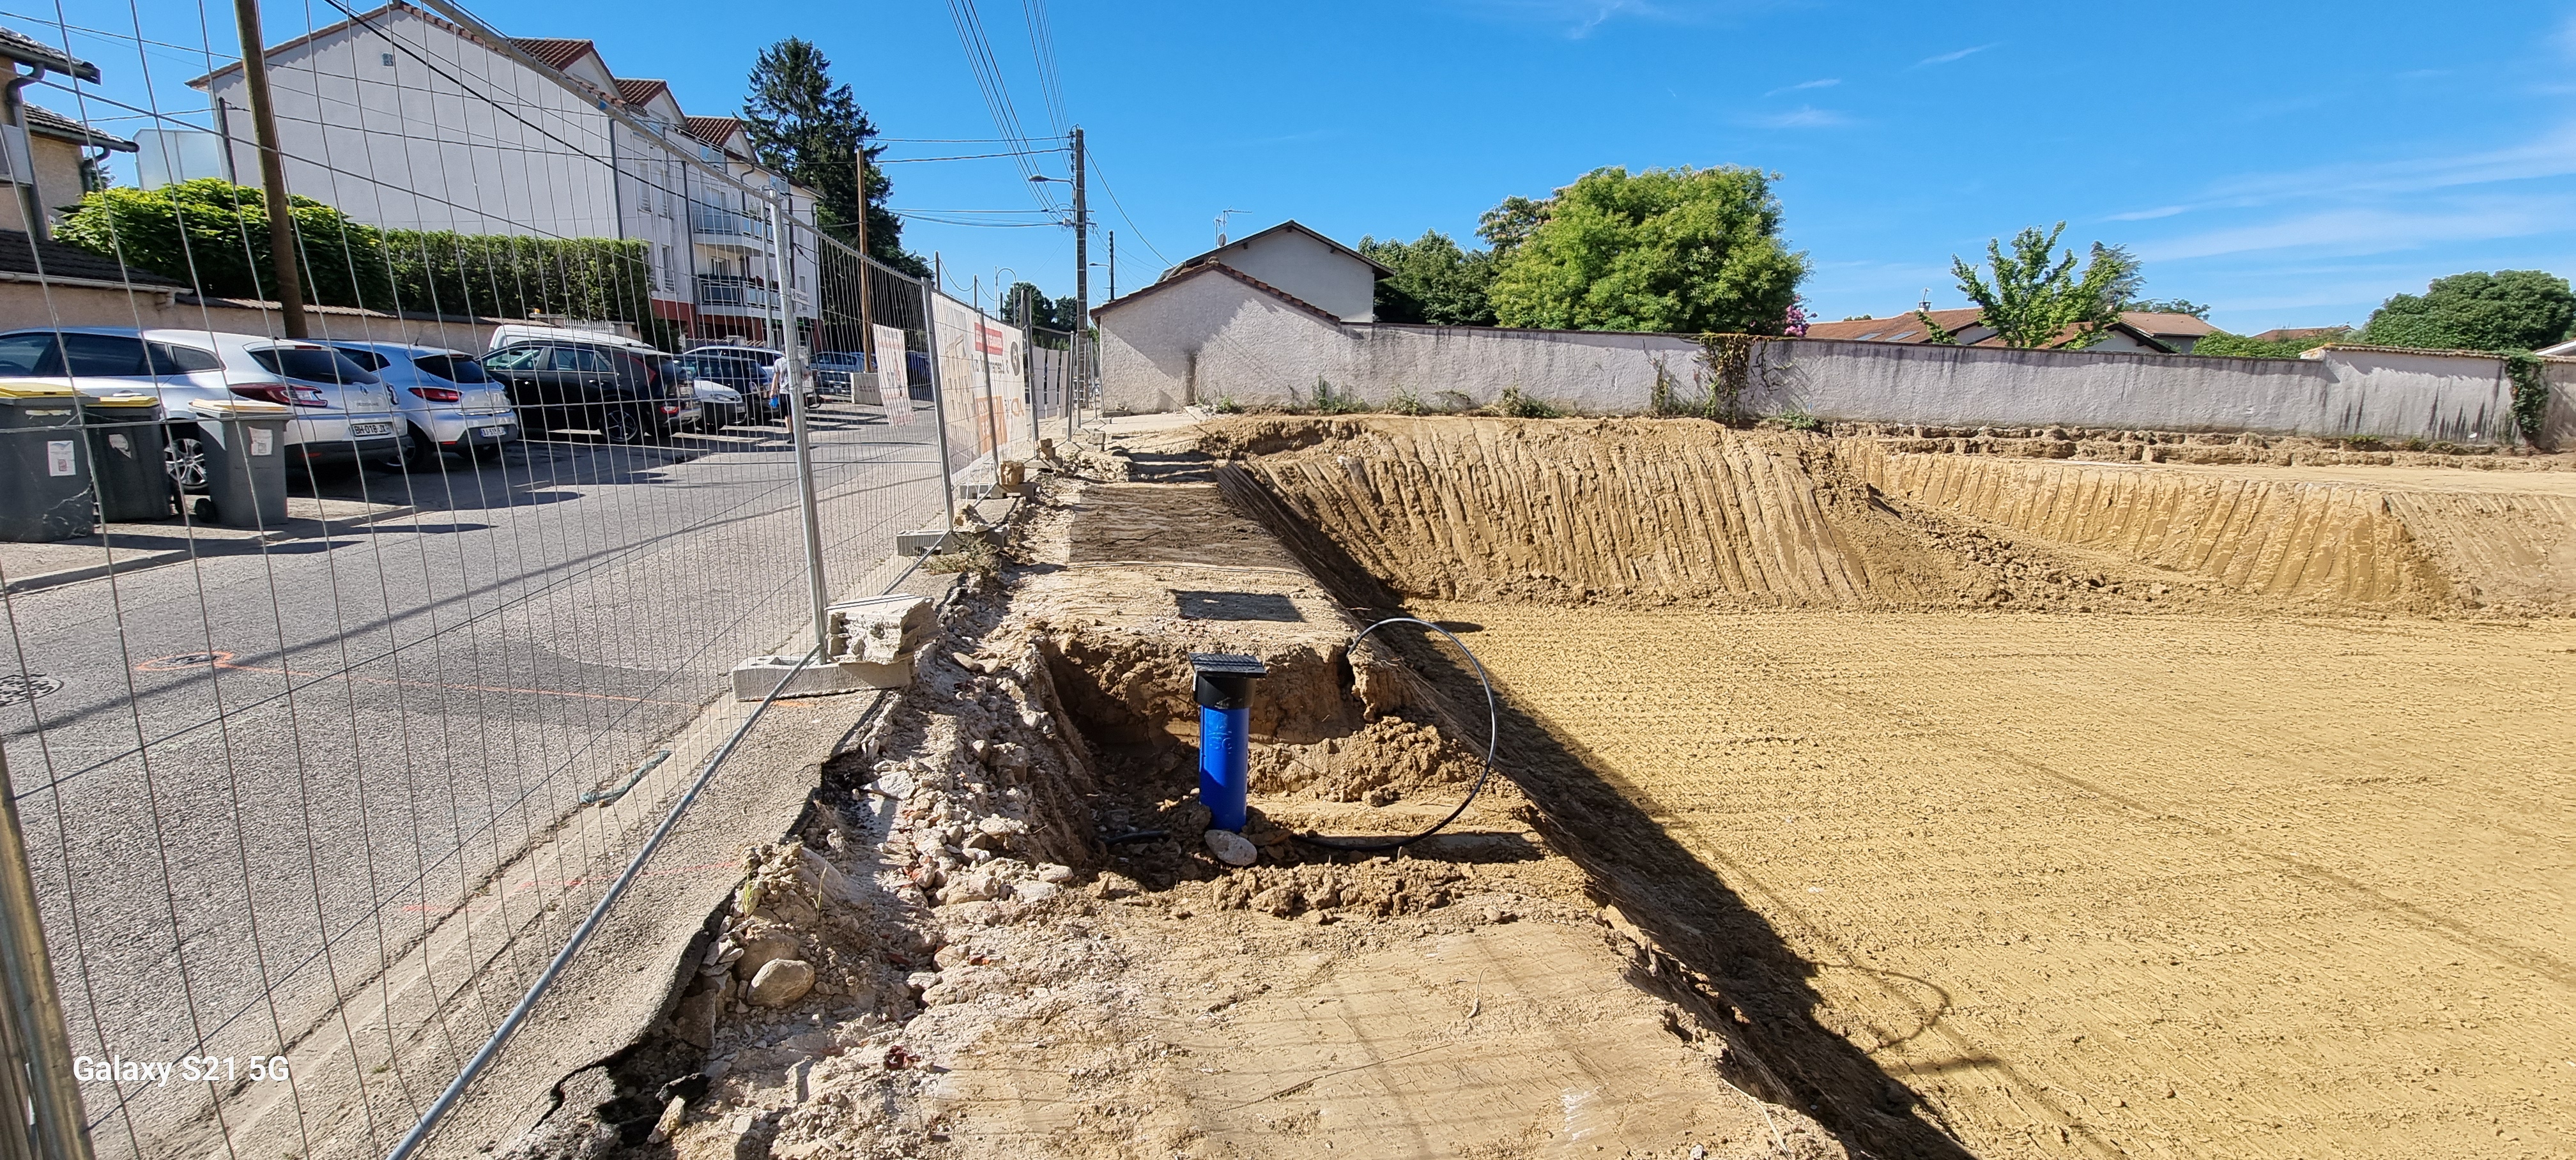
x: 1378, y: 765
x: 1626, y: 512
x: 1644, y: 512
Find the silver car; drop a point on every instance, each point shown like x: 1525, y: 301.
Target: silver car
x: 340, y: 411
x: 446, y: 401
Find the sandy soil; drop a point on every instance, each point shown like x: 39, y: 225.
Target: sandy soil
x: 2097, y: 885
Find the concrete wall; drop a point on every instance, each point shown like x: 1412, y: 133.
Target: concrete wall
x: 1342, y: 285
x: 1214, y: 338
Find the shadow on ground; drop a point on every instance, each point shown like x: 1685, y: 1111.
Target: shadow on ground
x: 1729, y: 962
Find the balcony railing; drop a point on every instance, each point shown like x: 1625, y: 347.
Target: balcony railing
x: 730, y: 291
x: 724, y: 227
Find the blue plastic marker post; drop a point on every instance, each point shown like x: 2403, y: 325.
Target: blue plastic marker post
x: 1225, y: 726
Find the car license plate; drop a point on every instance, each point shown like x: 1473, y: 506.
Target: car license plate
x: 363, y: 430
x: 502, y: 429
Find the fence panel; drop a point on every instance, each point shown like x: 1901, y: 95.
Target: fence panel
x: 323, y: 754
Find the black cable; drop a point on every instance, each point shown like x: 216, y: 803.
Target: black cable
x: 1493, y: 735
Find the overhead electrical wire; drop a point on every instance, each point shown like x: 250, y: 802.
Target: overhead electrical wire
x: 995, y: 87
x: 1042, y: 48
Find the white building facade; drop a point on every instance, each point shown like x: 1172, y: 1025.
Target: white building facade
x: 404, y: 120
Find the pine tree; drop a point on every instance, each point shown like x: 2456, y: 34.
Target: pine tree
x: 804, y: 126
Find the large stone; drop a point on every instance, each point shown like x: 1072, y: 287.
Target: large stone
x: 782, y: 982
x: 762, y: 949
x: 695, y: 1021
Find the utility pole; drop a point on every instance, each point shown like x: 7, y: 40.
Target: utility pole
x: 867, y: 332
x: 272, y: 172
x: 1075, y: 378
x: 1113, y: 265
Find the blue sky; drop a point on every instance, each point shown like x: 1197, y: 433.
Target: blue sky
x: 2289, y: 163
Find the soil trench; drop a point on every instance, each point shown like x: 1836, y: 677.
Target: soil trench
x: 2269, y: 863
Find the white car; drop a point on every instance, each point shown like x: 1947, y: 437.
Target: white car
x: 340, y: 411
x: 719, y: 405
x: 446, y: 401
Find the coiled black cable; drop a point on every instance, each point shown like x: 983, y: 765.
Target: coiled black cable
x: 1493, y: 735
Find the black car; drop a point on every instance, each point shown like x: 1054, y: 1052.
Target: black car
x: 626, y: 395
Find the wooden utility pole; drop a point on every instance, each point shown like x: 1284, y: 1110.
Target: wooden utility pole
x: 867, y: 332
x: 1075, y: 376
x: 272, y: 173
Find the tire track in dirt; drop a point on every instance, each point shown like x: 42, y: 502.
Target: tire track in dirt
x: 2295, y: 939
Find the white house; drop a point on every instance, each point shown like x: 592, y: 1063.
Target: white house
x: 402, y: 119
x: 1300, y: 263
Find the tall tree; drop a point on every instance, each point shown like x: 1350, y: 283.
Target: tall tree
x: 810, y: 129
x: 2036, y: 299
x: 1046, y: 313
x: 2504, y: 311
x: 1668, y: 250
x: 1435, y: 281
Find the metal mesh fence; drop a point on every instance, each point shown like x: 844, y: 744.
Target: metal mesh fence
x: 357, y: 656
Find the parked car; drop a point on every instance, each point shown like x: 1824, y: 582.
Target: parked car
x: 916, y: 369
x: 340, y: 411
x: 834, y: 369
x: 446, y: 401
x: 768, y: 360
x: 747, y: 378
x: 723, y: 406
x: 628, y: 392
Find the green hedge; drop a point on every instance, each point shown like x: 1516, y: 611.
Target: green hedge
x: 213, y: 235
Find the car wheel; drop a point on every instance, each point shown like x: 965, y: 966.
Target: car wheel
x: 185, y: 459
x: 621, y: 425
x: 422, y: 452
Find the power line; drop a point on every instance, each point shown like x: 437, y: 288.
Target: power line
x: 1042, y: 48
x: 1093, y: 160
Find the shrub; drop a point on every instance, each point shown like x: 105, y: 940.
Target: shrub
x: 1331, y: 402
x: 1512, y: 404
x: 1405, y: 402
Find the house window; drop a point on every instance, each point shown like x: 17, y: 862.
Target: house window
x: 670, y: 272
x: 389, y: 60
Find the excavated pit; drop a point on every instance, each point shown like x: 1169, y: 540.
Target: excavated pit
x: 2090, y: 808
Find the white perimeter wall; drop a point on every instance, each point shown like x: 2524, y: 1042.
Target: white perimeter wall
x: 1214, y: 338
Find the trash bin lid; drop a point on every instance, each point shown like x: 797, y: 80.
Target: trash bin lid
x: 10, y: 390
x: 124, y: 400
x: 238, y: 409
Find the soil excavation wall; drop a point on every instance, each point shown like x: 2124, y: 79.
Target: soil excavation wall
x: 1485, y: 509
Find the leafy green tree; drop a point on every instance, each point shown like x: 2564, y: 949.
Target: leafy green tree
x: 2036, y: 298
x: 1506, y: 226
x: 1435, y: 281
x: 2199, y: 310
x: 213, y: 235
x: 810, y: 129
x: 2508, y: 310
x: 2225, y: 345
x: 1667, y: 250
x: 1047, y: 313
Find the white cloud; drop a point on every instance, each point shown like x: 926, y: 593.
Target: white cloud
x: 1802, y: 117
x: 1947, y: 57
x: 1826, y: 83
x: 2148, y: 215
x: 2370, y: 230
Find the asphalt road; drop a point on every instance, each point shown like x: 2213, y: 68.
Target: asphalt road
x: 259, y: 776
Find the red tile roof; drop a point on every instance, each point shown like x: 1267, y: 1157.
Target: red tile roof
x: 1188, y: 271
x: 639, y: 92
x: 555, y: 52
x: 713, y: 130
x: 2287, y: 333
x: 1896, y: 328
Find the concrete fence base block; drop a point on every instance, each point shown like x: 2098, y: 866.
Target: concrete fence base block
x: 754, y: 678
x: 910, y: 544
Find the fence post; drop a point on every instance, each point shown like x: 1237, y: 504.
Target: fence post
x: 33, y: 1042
x: 782, y: 260
x: 938, y: 408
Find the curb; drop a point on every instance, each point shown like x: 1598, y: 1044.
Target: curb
x: 139, y: 561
